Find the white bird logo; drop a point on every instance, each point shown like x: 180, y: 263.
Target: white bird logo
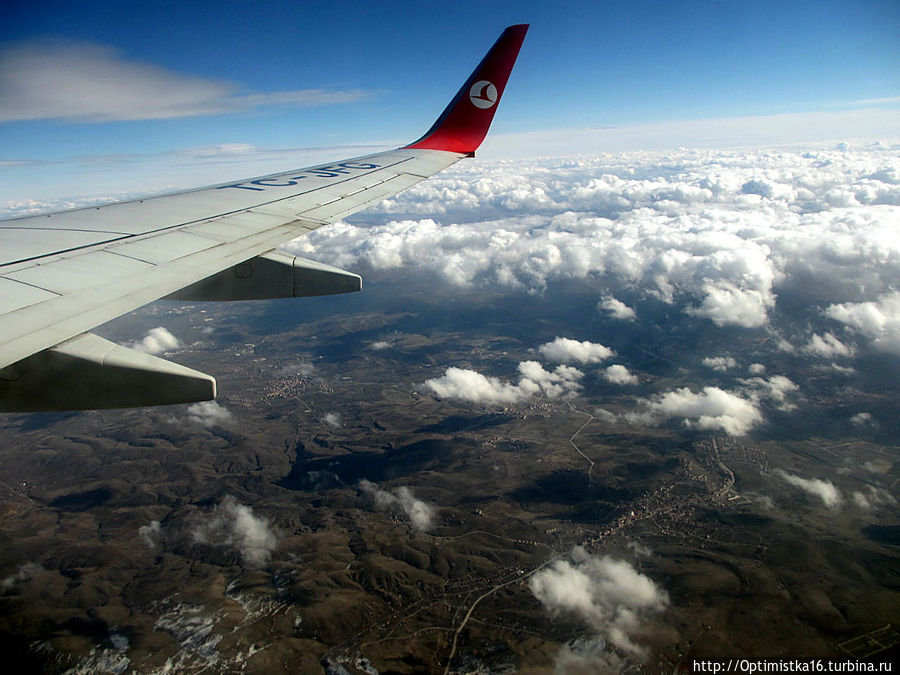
x: 483, y: 94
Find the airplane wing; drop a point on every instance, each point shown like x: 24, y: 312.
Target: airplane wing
x: 62, y: 274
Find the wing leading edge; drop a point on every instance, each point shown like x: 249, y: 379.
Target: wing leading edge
x: 62, y: 274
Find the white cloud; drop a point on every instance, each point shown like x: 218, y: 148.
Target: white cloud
x: 873, y: 101
x: 774, y: 389
x: 420, y: 514
x: 607, y: 594
x: 566, y: 350
x: 873, y: 498
x: 691, y: 238
x: 617, y: 309
x: 881, y: 466
x: 823, y: 489
x: 765, y: 501
x: 470, y: 385
x: 756, y: 369
x: 605, y: 416
x: 235, y: 525
x: 301, y: 368
x: 862, y: 419
x: 333, y: 419
x: 209, y: 414
x: 157, y: 341
x: 640, y: 550
x: 727, y: 304
x: 878, y: 320
x: 618, y: 374
x: 719, y: 363
x: 588, y: 656
x: 714, y: 133
x: 26, y: 572
x: 380, y: 344
x: 94, y: 83
x: 827, y: 346
x: 712, y: 408
x: 151, y: 533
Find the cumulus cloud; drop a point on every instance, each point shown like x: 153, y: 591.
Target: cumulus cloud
x: 26, y: 572
x: 95, y: 83
x: 617, y: 309
x: 470, y: 385
x: 873, y: 498
x: 775, y: 389
x: 420, y: 514
x: 209, y: 414
x: 878, y: 320
x: 711, y: 408
x: 566, y: 350
x: 756, y: 369
x: 639, y: 549
x: 823, y: 489
x: 878, y: 466
x: 827, y: 346
x: 333, y: 419
x: 728, y: 304
x: 301, y: 369
x: 157, y: 341
x: 719, y: 363
x: 618, y: 374
x: 607, y: 594
x: 862, y: 419
x: 151, y: 534
x: 588, y: 656
x: 232, y: 524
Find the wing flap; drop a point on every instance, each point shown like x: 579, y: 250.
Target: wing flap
x: 161, y: 248
x: 44, y: 324
x: 271, y: 275
x: 29, y: 243
x: 89, y: 372
x: 340, y: 208
x: 15, y: 295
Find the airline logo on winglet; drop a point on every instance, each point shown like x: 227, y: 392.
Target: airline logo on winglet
x: 483, y: 94
x: 464, y: 123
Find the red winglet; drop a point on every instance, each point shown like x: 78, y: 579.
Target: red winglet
x: 465, y: 122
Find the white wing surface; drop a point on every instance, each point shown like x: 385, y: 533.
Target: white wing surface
x: 62, y: 274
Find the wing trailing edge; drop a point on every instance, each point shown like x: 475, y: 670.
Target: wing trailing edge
x: 90, y: 372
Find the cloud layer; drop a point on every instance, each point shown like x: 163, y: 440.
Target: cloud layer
x: 715, y: 234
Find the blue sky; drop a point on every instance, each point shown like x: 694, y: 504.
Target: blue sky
x: 379, y: 73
